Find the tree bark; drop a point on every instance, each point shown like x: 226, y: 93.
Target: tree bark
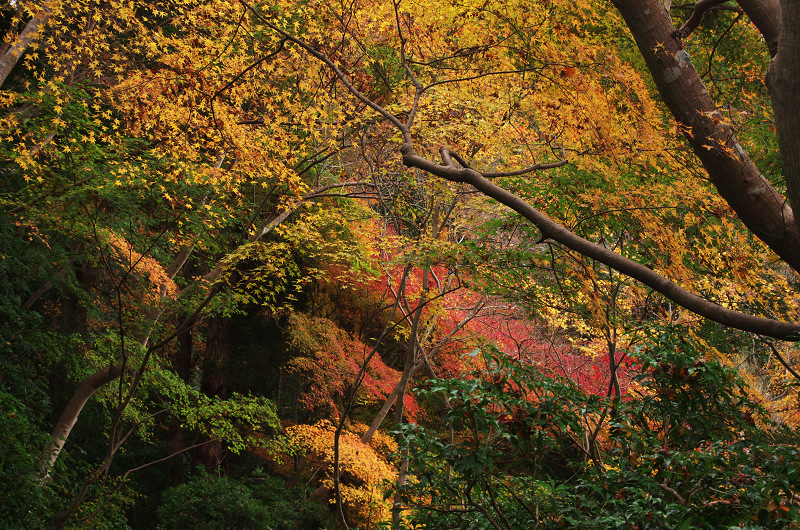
x: 29, y: 33
x: 177, y: 435
x: 216, y: 366
x: 766, y: 15
x: 554, y: 231
x: 760, y: 207
x: 783, y: 80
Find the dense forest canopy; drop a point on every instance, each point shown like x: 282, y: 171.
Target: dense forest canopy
x: 369, y: 264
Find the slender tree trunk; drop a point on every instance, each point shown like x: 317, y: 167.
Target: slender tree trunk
x: 85, y: 390
x: 177, y: 437
x: 71, y: 412
x: 322, y: 492
x: 215, y: 383
x: 399, y: 388
x: 612, y: 369
x: 30, y: 32
x: 402, y: 476
x: 408, y: 367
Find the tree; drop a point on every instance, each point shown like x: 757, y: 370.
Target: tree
x: 166, y: 154
x: 751, y: 196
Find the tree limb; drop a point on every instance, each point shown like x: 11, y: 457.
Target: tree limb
x: 29, y: 34
x: 766, y: 15
x: 781, y: 360
x: 696, y: 17
x: 758, y: 204
x: 763, y: 210
x: 783, y: 81
x: 556, y: 232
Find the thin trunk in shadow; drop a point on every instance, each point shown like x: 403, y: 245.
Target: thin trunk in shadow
x: 177, y: 433
x: 215, y: 383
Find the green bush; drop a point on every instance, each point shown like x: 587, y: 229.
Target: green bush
x: 688, y: 449
x: 25, y: 503
x: 255, y: 503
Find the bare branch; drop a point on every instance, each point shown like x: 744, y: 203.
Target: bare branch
x: 515, y: 173
x: 781, y: 360
x: 556, y: 232
x: 696, y: 17
x: 341, y: 75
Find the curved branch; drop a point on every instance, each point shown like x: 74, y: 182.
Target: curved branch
x: 336, y: 70
x: 766, y: 15
x: 781, y: 360
x: 758, y: 204
x: 515, y: 173
x: 554, y: 231
x: 696, y: 17
x: 529, y: 169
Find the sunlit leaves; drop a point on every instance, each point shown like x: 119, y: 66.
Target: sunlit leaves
x: 362, y: 470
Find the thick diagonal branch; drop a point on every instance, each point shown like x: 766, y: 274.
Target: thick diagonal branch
x: 761, y: 208
x: 554, y: 231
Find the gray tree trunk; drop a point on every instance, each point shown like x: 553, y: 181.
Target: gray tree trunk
x: 29, y: 33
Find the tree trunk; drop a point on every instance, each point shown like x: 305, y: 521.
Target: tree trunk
x: 783, y: 80
x: 74, y: 315
x: 30, y: 32
x: 766, y: 15
x: 760, y: 207
x: 71, y: 412
x: 215, y: 383
x: 408, y: 368
x: 177, y: 433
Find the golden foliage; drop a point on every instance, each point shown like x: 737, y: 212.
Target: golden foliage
x: 364, y: 473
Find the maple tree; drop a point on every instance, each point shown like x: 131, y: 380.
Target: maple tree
x: 695, y: 116
x: 362, y: 468
x: 150, y: 180
x: 709, y: 135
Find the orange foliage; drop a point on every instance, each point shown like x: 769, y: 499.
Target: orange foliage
x: 160, y: 283
x: 363, y: 470
x: 328, y: 359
